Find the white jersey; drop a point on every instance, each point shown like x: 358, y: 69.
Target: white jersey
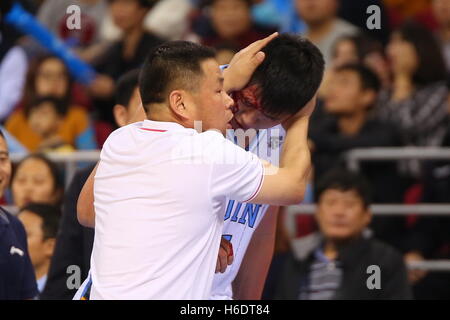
x: 241, y: 219
x: 160, y: 192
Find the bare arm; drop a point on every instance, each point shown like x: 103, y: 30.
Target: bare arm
x: 249, y: 282
x: 85, y: 204
x: 286, y: 185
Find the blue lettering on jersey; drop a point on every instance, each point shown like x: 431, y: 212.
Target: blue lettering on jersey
x: 251, y: 210
x: 249, y: 213
x: 236, y: 212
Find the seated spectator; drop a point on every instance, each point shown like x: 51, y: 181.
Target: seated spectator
x: 123, y: 55
x: 41, y: 225
x: 49, y: 77
x: 441, y: 12
x: 74, y: 242
x: 356, y: 13
x: 45, y: 117
x: 87, y: 39
x: 17, y: 279
x: 334, y: 262
x: 36, y: 179
x: 357, y: 49
x: 430, y: 236
x: 324, y: 26
x: 352, y: 94
x: 417, y: 100
x: 13, y: 70
x: 231, y: 21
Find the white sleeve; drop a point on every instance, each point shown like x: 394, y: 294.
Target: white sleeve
x: 13, y: 71
x: 236, y: 173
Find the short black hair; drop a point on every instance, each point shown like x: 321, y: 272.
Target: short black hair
x: 143, y: 3
x: 175, y: 63
x: 290, y: 75
x: 343, y: 180
x: 50, y: 217
x: 432, y: 66
x: 126, y: 86
x: 59, y: 104
x: 368, y: 79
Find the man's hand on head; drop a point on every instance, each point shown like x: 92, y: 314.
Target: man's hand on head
x: 244, y: 64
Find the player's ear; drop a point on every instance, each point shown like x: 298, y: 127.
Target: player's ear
x: 177, y: 103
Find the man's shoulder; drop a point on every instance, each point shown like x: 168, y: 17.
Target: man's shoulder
x: 384, y: 253
x: 343, y: 26
x: 7, y: 218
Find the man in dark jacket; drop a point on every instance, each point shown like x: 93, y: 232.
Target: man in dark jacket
x: 352, y: 93
x: 17, y: 279
x: 342, y: 260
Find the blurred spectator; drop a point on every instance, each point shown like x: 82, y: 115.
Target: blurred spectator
x: 324, y: 26
x: 36, y: 179
x: 168, y: 19
x: 74, y: 242
x: 8, y: 34
x: 45, y: 117
x: 441, y: 12
x: 48, y: 76
x: 225, y: 52
x: 41, y: 225
x: 355, y: 12
x: 231, y: 22
x: 123, y: 55
x: 87, y: 40
x: 17, y: 279
x: 430, y: 236
x: 333, y: 263
x: 352, y: 94
x: 362, y: 49
x: 403, y: 10
x: 14, y: 146
x: 417, y: 101
x: 357, y: 49
x: 13, y: 70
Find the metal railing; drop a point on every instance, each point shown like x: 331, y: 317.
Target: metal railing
x: 355, y: 156
x: 384, y: 209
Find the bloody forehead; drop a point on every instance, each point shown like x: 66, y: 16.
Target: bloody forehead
x: 249, y: 96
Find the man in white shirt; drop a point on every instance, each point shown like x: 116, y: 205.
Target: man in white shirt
x: 215, y: 118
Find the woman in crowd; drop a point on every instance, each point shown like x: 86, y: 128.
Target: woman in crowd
x: 416, y: 102
x: 49, y: 77
x: 36, y: 179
